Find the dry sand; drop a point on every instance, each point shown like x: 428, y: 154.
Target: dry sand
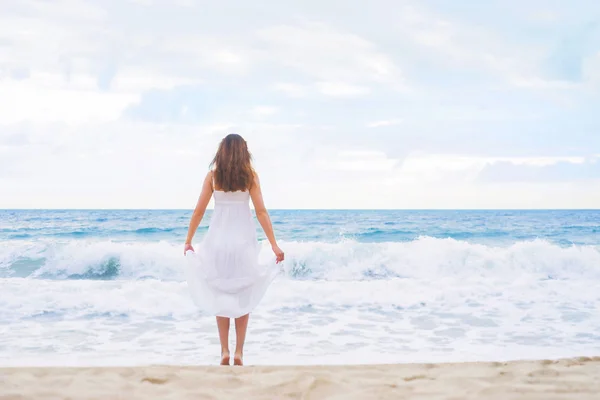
x: 544, y: 380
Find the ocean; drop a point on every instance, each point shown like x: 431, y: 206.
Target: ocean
x: 106, y: 287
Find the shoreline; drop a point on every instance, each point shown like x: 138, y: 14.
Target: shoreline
x: 570, y: 378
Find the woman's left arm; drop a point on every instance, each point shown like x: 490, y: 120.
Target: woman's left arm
x: 199, y: 211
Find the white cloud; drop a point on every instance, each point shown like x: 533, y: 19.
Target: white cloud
x: 535, y: 82
x: 591, y: 69
x: 227, y: 57
x: 384, y: 122
x: 80, y: 81
x: 127, y: 164
x: 326, y: 54
x: 326, y: 88
x: 354, y: 160
x: 537, y: 161
x: 291, y: 89
x: 84, y: 11
x: 562, y: 171
x: 469, y: 46
x: 187, y: 55
x: 546, y: 16
x: 451, y: 161
x: 143, y: 2
x: 137, y: 80
x: 264, y: 111
x: 180, y: 3
x: 41, y: 102
x: 418, y: 168
x: 340, y: 89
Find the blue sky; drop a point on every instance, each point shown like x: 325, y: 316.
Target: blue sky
x: 398, y: 104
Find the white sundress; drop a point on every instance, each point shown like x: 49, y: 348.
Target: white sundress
x: 224, y: 275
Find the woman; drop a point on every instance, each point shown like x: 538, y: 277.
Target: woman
x: 224, y: 275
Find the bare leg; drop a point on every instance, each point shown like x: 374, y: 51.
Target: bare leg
x: 241, y: 325
x: 223, y: 325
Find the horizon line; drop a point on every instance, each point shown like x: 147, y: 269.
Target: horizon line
x: 307, y: 209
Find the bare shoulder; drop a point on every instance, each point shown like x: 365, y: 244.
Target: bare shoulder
x: 208, y: 179
x: 254, y: 184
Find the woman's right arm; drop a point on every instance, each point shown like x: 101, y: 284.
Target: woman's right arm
x: 263, y: 217
x: 199, y: 211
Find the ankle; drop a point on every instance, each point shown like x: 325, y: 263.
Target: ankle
x: 224, y: 351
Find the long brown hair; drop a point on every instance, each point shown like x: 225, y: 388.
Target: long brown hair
x: 233, y: 164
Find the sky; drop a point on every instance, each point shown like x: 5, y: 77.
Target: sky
x: 390, y: 104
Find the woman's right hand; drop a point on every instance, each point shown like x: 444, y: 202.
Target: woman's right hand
x: 278, y: 253
x: 187, y: 247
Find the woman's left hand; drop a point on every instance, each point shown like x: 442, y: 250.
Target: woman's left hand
x: 279, y: 256
x: 187, y: 247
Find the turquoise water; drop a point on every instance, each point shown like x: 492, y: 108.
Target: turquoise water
x: 107, y: 287
x: 562, y: 227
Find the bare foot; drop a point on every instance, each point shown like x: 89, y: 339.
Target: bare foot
x: 225, y: 358
x: 238, y: 359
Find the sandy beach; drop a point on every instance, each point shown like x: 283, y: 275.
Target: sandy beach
x: 577, y: 378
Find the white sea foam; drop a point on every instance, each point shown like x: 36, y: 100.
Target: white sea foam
x: 346, y: 302
x: 405, y: 319
x: 347, y: 260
